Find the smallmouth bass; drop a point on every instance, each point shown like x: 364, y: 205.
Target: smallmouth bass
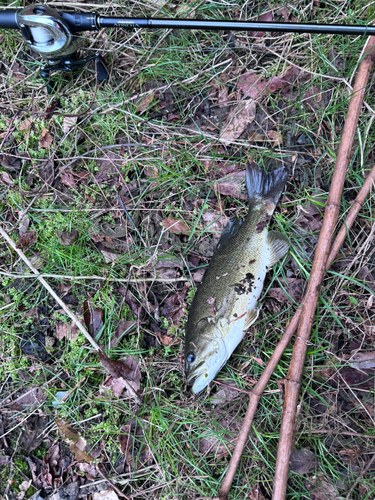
x: 224, y: 305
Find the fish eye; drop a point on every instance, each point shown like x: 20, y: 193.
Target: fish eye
x: 190, y: 358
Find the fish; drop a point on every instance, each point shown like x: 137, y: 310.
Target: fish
x: 225, y: 303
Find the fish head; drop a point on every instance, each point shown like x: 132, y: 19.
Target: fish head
x: 205, y: 357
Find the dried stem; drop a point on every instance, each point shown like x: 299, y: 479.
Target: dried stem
x: 294, y: 376
x: 256, y: 392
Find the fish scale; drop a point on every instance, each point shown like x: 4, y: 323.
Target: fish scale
x: 225, y: 302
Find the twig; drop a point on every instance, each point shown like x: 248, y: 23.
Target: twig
x: 256, y: 392
x: 294, y: 376
x: 46, y: 285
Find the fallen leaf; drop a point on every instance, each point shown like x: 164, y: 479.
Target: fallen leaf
x: 32, y: 396
x: 168, y: 340
x: 33, y: 433
x: 67, y: 238
x: 27, y: 240
x: 231, y: 185
x: 109, y: 494
x: 215, y: 222
x: 222, y: 98
x: 68, y: 123
x: 224, y: 395
x: 4, y: 460
x: 89, y: 469
x: 198, y: 275
x: 303, y: 461
x: 144, y: 103
x: 255, y: 85
x: 321, y: 489
x: 78, y: 447
x: 237, y: 121
x: 68, y: 330
x: 175, y: 226
x: 46, y: 139
x: 77, y: 443
x: 255, y: 494
x: 363, y: 360
x: 175, y: 305
x: 23, y: 487
x: 93, y: 319
x: 50, y: 110
x: 24, y: 222
x: 6, y: 179
x: 293, y: 291
x: 127, y: 369
x: 24, y: 125
x: 67, y: 179
x: 275, y: 137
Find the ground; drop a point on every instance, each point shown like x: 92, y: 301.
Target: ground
x: 166, y: 138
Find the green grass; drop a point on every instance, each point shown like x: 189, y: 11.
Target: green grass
x: 172, y: 172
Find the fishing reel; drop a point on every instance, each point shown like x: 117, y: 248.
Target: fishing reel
x: 46, y: 32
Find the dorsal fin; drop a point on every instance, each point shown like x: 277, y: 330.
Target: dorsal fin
x: 229, y: 231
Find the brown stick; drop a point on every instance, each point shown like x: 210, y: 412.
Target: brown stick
x: 256, y: 392
x: 294, y: 376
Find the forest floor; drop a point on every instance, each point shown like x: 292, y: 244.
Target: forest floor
x: 167, y: 136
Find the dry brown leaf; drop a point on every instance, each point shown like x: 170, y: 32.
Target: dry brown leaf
x: 27, y: 240
x: 78, y: 448
x: 67, y: 238
x: 32, y: 396
x: 109, y: 494
x: 144, y: 103
x: 275, y: 137
x: 124, y: 370
x: 25, y: 125
x: 68, y: 123
x: 231, y: 185
x: 363, y: 360
x: 293, y: 286
x: 267, y: 17
x: 303, y: 461
x: 68, y: 330
x: 176, y: 226
x: 67, y: 179
x: 237, y: 121
x: 168, y: 340
x: 93, y: 318
x: 46, y: 139
x: 24, y: 222
x: 77, y: 443
x: 6, y: 179
x: 321, y: 489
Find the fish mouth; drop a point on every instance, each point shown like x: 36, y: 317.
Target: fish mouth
x: 198, y: 378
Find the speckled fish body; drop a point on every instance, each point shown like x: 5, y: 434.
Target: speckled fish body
x: 225, y: 303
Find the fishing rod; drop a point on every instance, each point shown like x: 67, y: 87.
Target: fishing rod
x: 53, y: 34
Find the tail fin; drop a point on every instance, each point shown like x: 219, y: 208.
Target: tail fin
x: 258, y: 183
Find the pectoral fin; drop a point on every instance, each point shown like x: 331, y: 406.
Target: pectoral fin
x: 278, y: 245
x: 251, y: 317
